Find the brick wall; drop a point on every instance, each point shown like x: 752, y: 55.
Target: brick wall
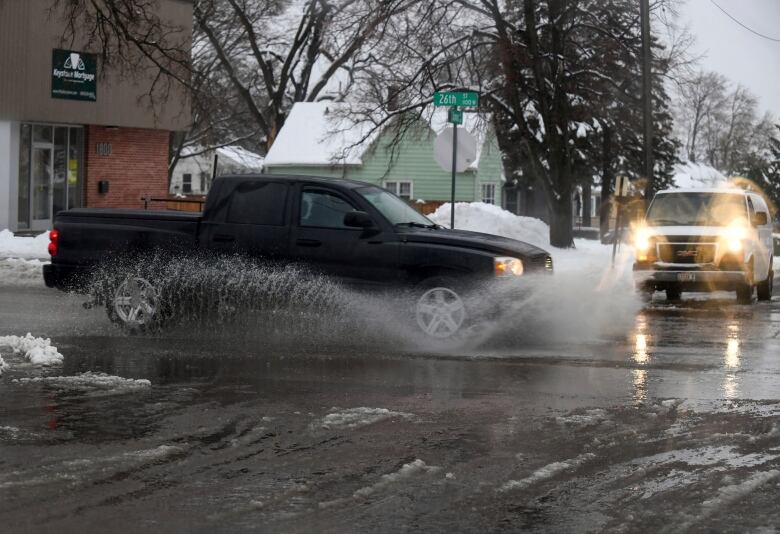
x: 136, y: 167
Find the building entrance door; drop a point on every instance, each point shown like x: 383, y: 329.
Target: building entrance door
x: 41, y: 187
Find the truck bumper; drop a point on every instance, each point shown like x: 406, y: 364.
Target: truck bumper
x: 687, y: 279
x: 64, y: 277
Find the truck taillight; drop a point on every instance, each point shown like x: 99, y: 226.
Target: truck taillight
x: 54, y: 238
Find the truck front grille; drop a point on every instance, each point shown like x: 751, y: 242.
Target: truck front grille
x: 541, y: 263
x: 686, y: 253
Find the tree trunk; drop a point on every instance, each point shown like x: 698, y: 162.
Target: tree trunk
x: 606, y: 183
x: 586, y: 204
x: 561, y: 235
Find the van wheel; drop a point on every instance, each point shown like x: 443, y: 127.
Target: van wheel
x: 440, y: 309
x: 745, y: 293
x: 135, y: 305
x: 764, y: 289
x: 673, y: 293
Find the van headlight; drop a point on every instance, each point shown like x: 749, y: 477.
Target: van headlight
x: 642, y: 240
x: 507, y: 266
x: 734, y: 237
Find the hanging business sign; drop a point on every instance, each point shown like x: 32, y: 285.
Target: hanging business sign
x: 73, y: 75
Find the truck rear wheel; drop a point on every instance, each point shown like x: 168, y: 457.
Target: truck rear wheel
x: 135, y: 305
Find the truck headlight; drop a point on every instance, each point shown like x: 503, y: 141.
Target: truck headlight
x: 734, y: 236
x: 507, y: 266
x: 642, y: 240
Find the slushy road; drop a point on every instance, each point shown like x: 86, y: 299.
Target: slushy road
x: 672, y: 426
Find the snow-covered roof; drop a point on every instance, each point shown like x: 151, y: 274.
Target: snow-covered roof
x: 234, y: 154
x: 241, y: 156
x: 691, y: 175
x: 321, y: 133
x: 318, y: 133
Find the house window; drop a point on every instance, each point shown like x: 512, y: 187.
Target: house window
x: 203, y: 177
x: 401, y: 189
x: 488, y: 193
x: 186, y: 183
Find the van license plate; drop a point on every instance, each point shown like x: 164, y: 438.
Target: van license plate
x: 686, y: 277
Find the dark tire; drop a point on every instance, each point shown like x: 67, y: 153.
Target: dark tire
x: 745, y: 293
x: 764, y: 289
x: 673, y: 293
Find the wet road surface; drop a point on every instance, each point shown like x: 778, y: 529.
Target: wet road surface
x: 673, y: 426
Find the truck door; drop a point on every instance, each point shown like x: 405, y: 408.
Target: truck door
x: 255, y: 221
x: 357, y: 256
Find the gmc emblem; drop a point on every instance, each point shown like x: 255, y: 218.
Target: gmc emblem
x: 687, y: 253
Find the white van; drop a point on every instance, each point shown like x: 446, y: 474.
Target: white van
x: 705, y: 240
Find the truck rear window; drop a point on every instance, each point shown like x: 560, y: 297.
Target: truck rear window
x: 261, y: 203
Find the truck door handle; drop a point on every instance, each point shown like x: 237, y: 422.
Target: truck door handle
x: 308, y: 242
x: 224, y: 238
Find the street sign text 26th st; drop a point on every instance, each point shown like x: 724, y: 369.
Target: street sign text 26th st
x: 466, y: 99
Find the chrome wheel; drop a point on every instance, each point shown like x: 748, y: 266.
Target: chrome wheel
x: 136, y: 302
x: 440, y: 312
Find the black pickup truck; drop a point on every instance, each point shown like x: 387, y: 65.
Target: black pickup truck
x: 359, y: 233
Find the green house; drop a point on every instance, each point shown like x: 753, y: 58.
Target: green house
x: 319, y: 139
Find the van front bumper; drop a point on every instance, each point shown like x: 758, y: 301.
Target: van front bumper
x: 688, y: 278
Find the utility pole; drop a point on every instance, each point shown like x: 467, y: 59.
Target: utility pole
x: 647, y: 98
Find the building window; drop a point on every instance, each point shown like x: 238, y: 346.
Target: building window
x: 488, y: 193
x: 186, y: 183
x: 402, y: 189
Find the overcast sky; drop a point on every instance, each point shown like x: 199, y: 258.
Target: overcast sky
x: 736, y: 52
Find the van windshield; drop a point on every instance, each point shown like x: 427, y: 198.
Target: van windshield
x: 696, y: 209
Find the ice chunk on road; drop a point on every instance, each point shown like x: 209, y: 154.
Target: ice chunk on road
x: 38, y: 350
x: 356, y: 417
x: 407, y: 470
x: 94, y: 384
x: 548, y: 471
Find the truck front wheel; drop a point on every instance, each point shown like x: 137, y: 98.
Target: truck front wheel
x: 440, y: 310
x: 764, y: 289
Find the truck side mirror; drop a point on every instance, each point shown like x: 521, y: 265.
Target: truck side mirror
x: 760, y: 218
x: 358, y: 219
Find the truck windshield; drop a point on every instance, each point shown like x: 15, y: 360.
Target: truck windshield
x: 393, y: 208
x: 696, y: 209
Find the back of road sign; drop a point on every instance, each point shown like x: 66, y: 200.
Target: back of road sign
x: 466, y: 154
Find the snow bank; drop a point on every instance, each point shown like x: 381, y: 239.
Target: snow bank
x: 36, y: 349
x: 355, y: 417
x: 690, y: 175
x: 91, y: 383
x: 491, y: 219
x: 3, y: 366
x: 21, y: 272
x: 12, y: 246
x: 547, y: 472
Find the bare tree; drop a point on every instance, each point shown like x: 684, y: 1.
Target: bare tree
x: 700, y: 98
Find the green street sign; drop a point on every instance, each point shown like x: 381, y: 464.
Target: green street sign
x: 73, y: 75
x: 455, y: 116
x: 466, y: 99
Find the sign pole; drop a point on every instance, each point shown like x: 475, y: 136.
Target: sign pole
x: 454, y: 159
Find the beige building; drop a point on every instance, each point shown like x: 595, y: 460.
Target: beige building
x: 74, y: 132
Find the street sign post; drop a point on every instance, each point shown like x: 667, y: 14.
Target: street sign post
x: 455, y: 100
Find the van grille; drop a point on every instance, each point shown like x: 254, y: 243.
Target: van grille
x: 687, y: 253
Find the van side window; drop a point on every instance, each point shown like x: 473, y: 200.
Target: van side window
x: 751, y: 209
x: 323, y: 209
x: 256, y: 202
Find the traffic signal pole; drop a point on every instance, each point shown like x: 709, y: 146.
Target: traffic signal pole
x: 647, y: 98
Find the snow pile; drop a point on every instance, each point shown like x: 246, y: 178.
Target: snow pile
x: 355, y: 417
x: 547, y: 472
x: 691, y: 175
x: 12, y: 246
x: 21, y: 272
x: 92, y: 383
x: 412, y: 469
x: 491, y: 219
x: 3, y: 366
x: 36, y: 349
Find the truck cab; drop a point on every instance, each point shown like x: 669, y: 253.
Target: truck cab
x: 705, y: 240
